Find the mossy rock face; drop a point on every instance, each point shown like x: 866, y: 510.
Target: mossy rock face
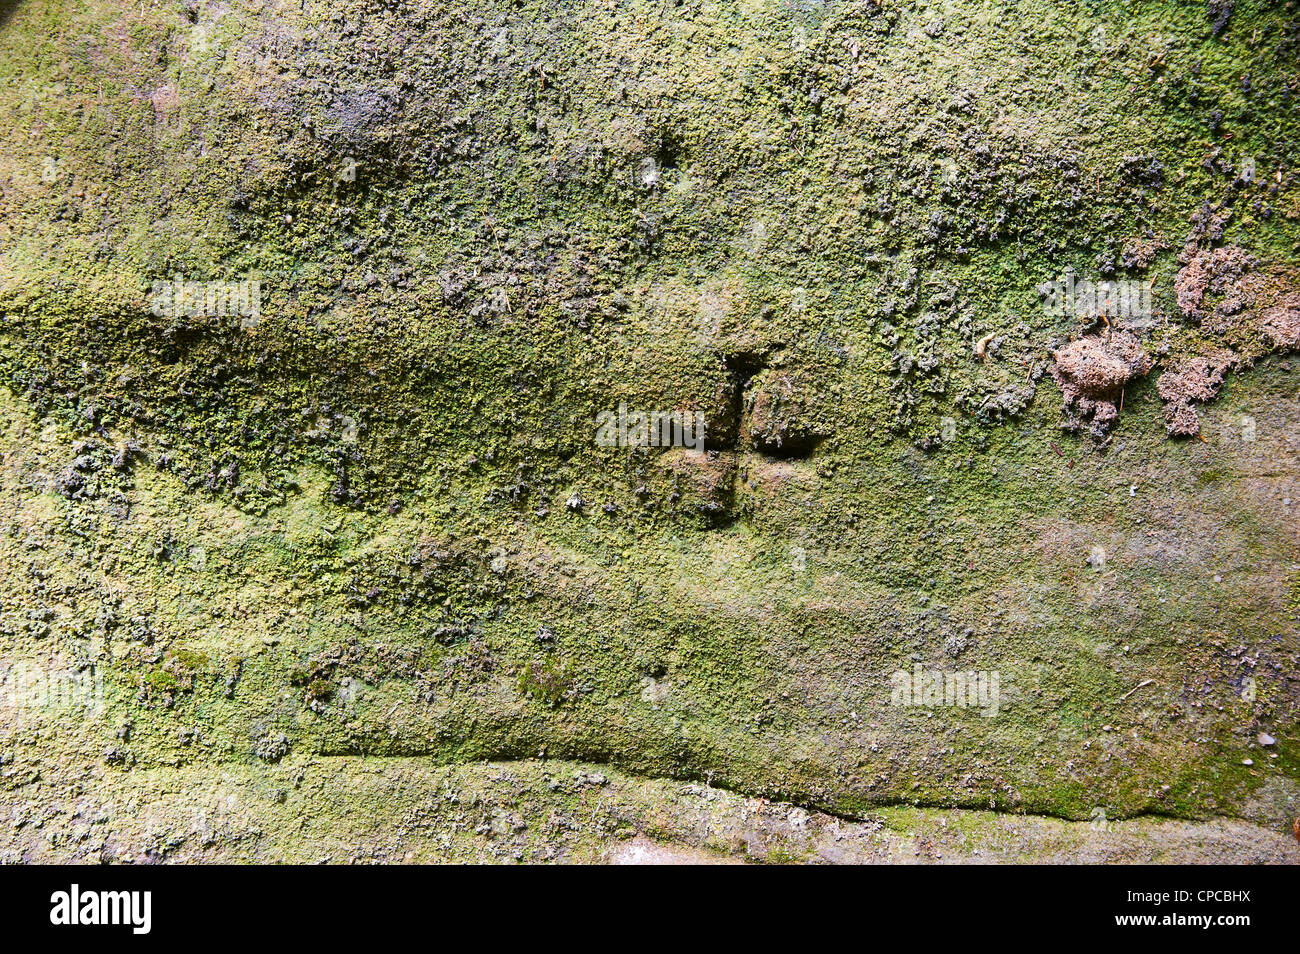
x: 308, y: 313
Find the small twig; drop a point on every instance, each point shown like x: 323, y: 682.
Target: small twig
x: 1145, y: 682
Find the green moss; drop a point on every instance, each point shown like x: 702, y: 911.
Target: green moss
x: 547, y: 681
x: 378, y: 475
x: 161, y: 681
x: 190, y: 662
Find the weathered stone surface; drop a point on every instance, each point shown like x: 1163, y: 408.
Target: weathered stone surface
x: 308, y: 309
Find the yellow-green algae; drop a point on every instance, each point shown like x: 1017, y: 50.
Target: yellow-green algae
x: 377, y: 524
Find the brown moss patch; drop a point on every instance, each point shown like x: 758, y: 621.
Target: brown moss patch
x: 1092, y: 372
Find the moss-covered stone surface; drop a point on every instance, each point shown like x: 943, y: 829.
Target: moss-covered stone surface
x: 356, y: 569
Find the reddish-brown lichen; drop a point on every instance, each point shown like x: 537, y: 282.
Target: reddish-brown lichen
x: 1245, y: 311
x: 1212, y: 271
x: 1195, y: 379
x: 1092, y: 372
